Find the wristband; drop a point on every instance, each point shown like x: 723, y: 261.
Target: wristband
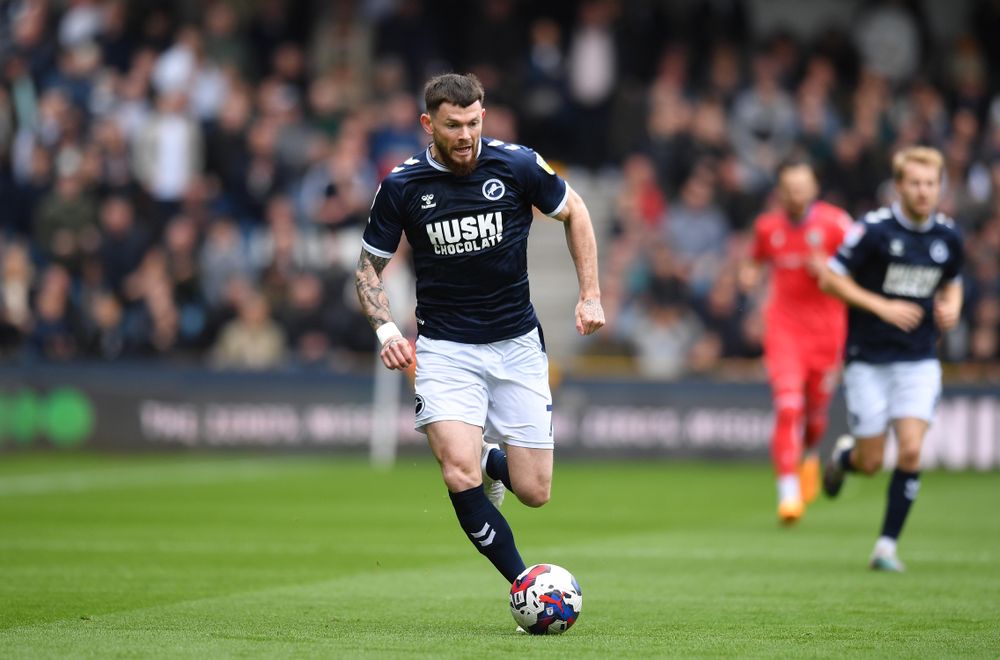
x: 387, y: 331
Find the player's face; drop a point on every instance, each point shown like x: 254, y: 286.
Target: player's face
x: 455, y: 132
x: 919, y: 189
x: 797, y: 188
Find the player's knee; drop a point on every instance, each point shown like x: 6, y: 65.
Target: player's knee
x: 458, y: 477
x: 815, y: 427
x: 535, y: 496
x: 909, y: 458
x: 869, y: 463
x: 788, y: 415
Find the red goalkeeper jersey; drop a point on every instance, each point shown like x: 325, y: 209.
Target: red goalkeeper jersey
x: 795, y: 304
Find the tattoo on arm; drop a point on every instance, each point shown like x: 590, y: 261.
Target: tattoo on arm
x: 368, y: 280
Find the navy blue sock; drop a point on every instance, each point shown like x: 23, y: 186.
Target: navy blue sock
x: 496, y: 467
x: 903, y: 489
x: 845, y: 461
x: 488, y: 530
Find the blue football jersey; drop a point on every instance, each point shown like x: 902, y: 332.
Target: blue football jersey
x: 887, y: 253
x: 469, y: 236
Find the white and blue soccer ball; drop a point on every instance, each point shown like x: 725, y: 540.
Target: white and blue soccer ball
x: 545, y: 599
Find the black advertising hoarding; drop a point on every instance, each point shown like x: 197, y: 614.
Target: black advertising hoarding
x: 149, y: 407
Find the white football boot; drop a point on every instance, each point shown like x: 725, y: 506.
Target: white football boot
x: 494, y: 489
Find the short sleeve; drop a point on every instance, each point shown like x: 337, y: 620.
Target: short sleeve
x: 546, y: 189
x: 385, y: 224
x: 854, y: 251
x: 956, y: 261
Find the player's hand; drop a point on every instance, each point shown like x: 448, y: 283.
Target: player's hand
x: 397, y: 353
x: 816, y: 263
x: 903, y: 314
x: 946, y: 313
x: 589, y: 316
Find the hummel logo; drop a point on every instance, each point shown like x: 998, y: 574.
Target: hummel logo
x: 428, y: 200
x: 481, y: 533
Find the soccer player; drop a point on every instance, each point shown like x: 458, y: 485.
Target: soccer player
x: 805, y: 329
x: 465, y: 204
x: 899, y: 270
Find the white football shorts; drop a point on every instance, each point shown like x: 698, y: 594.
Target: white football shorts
x: 502, y: 387
x: 876, y: 394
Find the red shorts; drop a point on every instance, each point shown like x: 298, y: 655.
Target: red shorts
x: 802, y: 367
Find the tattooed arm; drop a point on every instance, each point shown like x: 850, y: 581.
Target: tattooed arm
x: 396, y: 352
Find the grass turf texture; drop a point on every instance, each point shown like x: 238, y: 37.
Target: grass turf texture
x: 178, y: 556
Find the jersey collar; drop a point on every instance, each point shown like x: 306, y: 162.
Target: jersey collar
x: 804, y: 218
x: 441, y: 168
x: 901, y: 218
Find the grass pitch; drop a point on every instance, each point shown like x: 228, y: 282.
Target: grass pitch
x: 153, y: 556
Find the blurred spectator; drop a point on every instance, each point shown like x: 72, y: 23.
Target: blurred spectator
x: 544, y: 95
x: 123, y: 242
x: 763, y: 123
x: 53, y: 334
x: 252, y: 340
x: 888, y: 36
x: 16, y: 277
x: 168, y: 154
x: 65, y: 221
x: 666, y: 330
x: 115, y: 40
x: 592, y: 74
x: 397, y: 135
x: 308, y: 318
x: 222, y: 257
x: 697, y: 232
x: 103, y: 332
x: 721, y: 312
x: 406, y: 34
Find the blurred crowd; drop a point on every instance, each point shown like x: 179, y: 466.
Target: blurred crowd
x: 189, y: 180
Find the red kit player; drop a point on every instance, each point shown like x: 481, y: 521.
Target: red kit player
x: 805, y: 328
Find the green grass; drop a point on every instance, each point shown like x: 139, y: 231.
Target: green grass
x: 210, y: 557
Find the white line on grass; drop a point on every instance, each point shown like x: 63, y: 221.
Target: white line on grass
x: 113, y: 478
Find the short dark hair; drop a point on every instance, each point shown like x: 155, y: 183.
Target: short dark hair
x: 459, y: 89
x: 796, y: 160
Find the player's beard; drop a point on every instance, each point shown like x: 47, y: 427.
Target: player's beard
x: 917, y: 209
x: 458, y: 168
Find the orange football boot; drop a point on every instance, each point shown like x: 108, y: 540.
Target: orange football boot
x: 790, y: 510
x: 809, y: 475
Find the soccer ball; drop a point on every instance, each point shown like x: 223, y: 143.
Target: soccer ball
x: 545, y: 599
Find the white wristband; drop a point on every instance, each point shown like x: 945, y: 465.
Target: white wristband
x: 387, y: 331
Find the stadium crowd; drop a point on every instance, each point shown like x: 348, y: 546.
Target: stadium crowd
x: 189, y: 180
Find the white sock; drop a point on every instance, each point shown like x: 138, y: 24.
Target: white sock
x: 788, y: 487
x: 885, y: 547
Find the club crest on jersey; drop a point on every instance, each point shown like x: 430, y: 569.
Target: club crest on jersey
x: 428, y: 201
x: 494, y: 189
x: 778, y: 239
x: 814, y: 237
x: 939, y: 251
x: 896, y: 247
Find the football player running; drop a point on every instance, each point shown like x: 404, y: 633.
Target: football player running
x: 899, y: 270
x: 465, y: 205
x: 804, y: 328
